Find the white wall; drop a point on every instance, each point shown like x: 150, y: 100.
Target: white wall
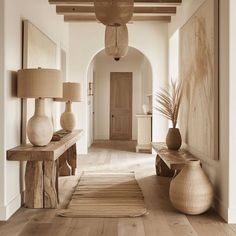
x: 87, y: 39
x: 232, y: 115
x: 216, y: 170
x: 2, y: 144
x: 90, y: 128
x: 43, y: 15
x: 133, y: 62
x: 174, y: 56
x: 146, y: 74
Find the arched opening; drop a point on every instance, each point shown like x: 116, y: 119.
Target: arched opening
x: 98, y: 80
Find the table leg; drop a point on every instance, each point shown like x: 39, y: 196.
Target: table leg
x: 162, y: 169
x: 50, y: 184
x: 64, y: 167
x: 34, y: 184
x: 176, y: 173
x: 57, y: 175
x: 72, y: 158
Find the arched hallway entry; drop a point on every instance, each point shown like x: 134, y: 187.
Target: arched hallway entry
x: 100, y: 69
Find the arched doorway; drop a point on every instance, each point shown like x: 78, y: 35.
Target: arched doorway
x: 99, y: 75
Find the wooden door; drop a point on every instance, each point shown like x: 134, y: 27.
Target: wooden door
x: 121, y: 106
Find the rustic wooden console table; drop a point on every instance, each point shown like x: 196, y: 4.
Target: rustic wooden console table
x: 169, y: 162
x: 42, y: 168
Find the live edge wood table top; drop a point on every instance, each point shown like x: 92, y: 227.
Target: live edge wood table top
x: 168, y: 162
x: 44, y: 165
x: 50, y: 152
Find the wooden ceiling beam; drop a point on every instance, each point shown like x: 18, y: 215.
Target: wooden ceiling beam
x: 160, y: 10
x: 143, y: 17
x: 136, y: 2
x: 74, y: 10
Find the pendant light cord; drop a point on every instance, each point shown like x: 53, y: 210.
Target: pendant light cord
x: 117, y: 38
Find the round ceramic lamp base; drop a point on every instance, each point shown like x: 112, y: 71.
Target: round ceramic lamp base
x: 68, y: 119
x: 39, y: 127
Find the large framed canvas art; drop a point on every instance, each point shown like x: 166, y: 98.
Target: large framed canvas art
x: 199, y: 72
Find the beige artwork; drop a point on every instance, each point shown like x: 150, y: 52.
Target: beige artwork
x: 199, y: 72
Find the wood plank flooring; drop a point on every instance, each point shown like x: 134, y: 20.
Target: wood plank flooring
x: 162, y: 218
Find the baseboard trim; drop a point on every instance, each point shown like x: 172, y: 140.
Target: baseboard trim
x: 221, y: 208
x: 7, y: 211
x: 231, y: 216
x: 101, y: 137
x: 228, y: 214
x: 146, y: 148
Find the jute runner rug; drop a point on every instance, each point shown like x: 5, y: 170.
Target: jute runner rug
x: 106, y: 194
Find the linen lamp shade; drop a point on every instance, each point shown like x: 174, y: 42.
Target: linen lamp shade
x: 116, y: 41
x: 114, y: 12
x: 36, y: 83
x: 72, y: 92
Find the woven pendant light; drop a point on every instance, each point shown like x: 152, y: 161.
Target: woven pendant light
x: 114, y: 12
x: 116, y: 41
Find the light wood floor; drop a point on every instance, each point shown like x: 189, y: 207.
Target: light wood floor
x: 162, y: 218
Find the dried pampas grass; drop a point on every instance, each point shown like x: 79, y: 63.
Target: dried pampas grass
x: 169, y: 100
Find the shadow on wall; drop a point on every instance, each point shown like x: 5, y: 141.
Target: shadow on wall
x: 13, y: 76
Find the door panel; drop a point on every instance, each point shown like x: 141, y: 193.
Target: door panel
x: 121, y: 106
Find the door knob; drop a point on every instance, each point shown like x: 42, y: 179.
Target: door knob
x: 112, y: 116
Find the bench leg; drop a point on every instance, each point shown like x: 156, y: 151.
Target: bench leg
x: 41, y: 184
x: 64, y: 167
x: 34, y: 184
x: 162, y: 169
x: 68, y: 162
x: 72, y: 158
x: 57, y: 176
x: 50, y: 184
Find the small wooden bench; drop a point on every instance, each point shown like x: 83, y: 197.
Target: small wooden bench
x: 43, y: 167
x: 169, y: 162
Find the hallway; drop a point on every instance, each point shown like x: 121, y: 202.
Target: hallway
x: 162, y: 218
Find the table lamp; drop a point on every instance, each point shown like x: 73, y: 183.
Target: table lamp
x: 72, y: 92
x: 39, y: 84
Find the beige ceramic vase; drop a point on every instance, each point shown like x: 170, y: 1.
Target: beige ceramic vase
x: 173, y: 139
x: 39, y: 128
x: 68, y: 119
x: 191, y: 191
